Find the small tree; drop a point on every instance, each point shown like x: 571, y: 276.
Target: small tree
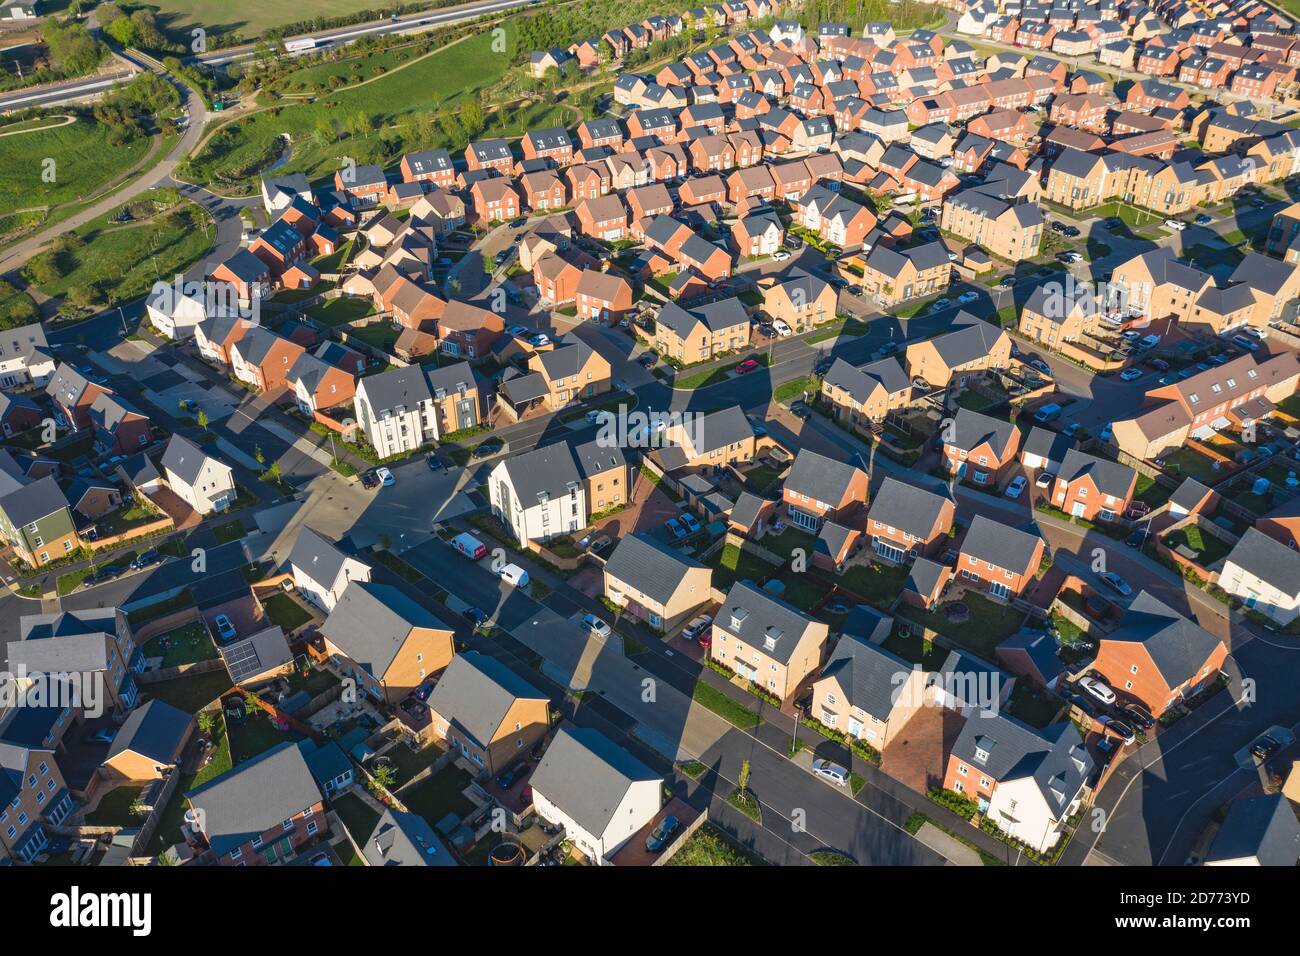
x: 274, y: 472
x: 743, y: 781
x: 202, y: 419
x: 207, y: 722
x: 384, y: 776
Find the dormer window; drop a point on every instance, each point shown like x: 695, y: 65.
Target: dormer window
x: 981, y: 755
x: 738, y: 617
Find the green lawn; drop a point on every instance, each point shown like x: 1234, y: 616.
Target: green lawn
x: 1208, y: 548
x: 380, y: 335
x: 357, y: 815
x: 82, y: 162
x: 191, y: 694
x: 440, y: 795
x: 709, y: 846
x: 408, y: 762
x: 184, y: 645
x: 915, y: 650
x: 1185, y: 461
x: 221, y: 758
x: 726, y: 708
x: 114, y: 808
x: 732, y: 564
x: 762, y: 477
x: 988, y: 626
x: 788, y: 540
x: 878, y: 584
x: 254, y: 735
x: 230, y: 531
x: 285, y: 612
x: 340, y: 311
x: 247, y: 17
x: 1150, y: 491
x: 795, y: 388
x: 1032, y: 706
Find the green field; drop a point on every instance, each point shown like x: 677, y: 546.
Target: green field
x: 83, y: 161
x: 441, y: 79
x: 123, y: 262
x: 249, y: 17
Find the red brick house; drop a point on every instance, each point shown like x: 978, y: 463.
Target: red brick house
x: 1091, y: 488
x: 494, y: 200
x: 998, y: 559
x: 604, y: 218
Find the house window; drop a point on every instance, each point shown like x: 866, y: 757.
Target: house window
x: 236, y: 853
x: 287, y: 825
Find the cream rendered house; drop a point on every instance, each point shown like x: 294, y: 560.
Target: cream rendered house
x: 1265, y: 574
x: 201, y: 481
x: 321, y: 571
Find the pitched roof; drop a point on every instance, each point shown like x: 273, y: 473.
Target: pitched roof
x: 763, y: 621
x: 371, y: 622
x: 908, y: 508
x: 1005, y: 547
x: 184, y: 459
x: 476, y: 692
x: 405, y: 839
x: 154, y: 730
x: 1263, y: 828
x: 1178, y: 647
x: 652, y: 567
x: 586, y: 775
x: 255, y: 796
x: 1268, y: 559
x: 972, y: 429
x: 868, y: 675
x: 32, y: 502
x: 1005, y: 749
x: 1110, y: 477
x: 317, y: 557
x: 821, y: 478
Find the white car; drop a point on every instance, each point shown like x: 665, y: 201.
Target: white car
x: 831, y: 771
x: 1131, y: 374
x: 782, y: 329
x: 967, y: 297
x: 1175, y: 224
x: 385, y: 477
x: 596, y: 626
x: 1097, y: 689
x: 780, y: 255
x: 1016, y: 487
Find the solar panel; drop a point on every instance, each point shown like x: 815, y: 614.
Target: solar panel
x: 242, y: 660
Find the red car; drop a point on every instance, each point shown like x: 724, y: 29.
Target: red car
x: 746, y: 366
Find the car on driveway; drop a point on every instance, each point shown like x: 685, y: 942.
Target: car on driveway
x: 675, y: 528
x: 512, y: 774
x: 829, y: 770
x: 692, y: 523
x: 1116, y: 584
x: 145, y: 559
x: 489, y: 447
x: 1203, y: 220
x: 596, y: 626
x: 780, y: 255
x: 1175, y: 224
x: 940, y: 304
x: 1120, y: 729
x: 660, y: 835
x: 1137, y: 716
x: 696, y: 627
x: 746, y: 366
x: 1131, y: 374
x: 1097, y: 689
x: 781, y: 328
x: 1264, y: 748
x: 1040, y: 366
x: 1016, y: 487
x: 225, y: 630
x: 475, y: 616
x: 369, y: 479
x: 385, y: 477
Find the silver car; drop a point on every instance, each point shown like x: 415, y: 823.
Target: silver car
x: 831, y: 771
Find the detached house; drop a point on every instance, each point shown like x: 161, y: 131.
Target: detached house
x: 596, y: 790
x: 1265, y: 575
x: 1027, y: 782
x: 906, y: 522
x: 971, y: 347
x: 36, y: 522
x: 861, y: 397
x: 980, y: 449
x: 321, y: 572
x: 999, y: 559
x: 819, y: 489
x: 261, y: 811
x: 1157, y: 657
x: 386, y: 641
x: 866, y: 691
x: 767, y: 641
x: 555, y: 489
x: 484, y: 710
x: 1092, y: 488
x: 201, y: 481
x: 695, y: 335
x: 655, y: 583
x: 402, y: 409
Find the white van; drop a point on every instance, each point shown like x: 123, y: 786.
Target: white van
x: 514, y: 575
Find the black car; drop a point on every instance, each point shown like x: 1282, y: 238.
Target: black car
x: 538, y: 751
x: 1264, y: 748
x: 1070, y: 231
x: 649, y: 359
x: 107, y: 573
x: 512, y: 775
x: 1057, y: 226
x: 521, y: 221
x: 1136, y: 538
x: 146, y: 558
x: 1136, y: 715
x: 369, y: 479
x: 823, y: 366
x: 475, y: 616
x: 424, y: 690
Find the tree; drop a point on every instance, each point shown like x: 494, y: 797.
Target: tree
x: 274, y: 472
x: 742, y: 782
x: 382, y: 777
x: 257, y: 453
x: 472, y: 118
x: 202, y: 419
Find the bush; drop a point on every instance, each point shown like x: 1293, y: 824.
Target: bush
x: 963, y: 806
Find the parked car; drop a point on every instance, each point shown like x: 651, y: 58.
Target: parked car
x: 145, y: 559
x: 1159, y: 364
x: 1097, y: 689
x: 487, y: 448
x: 780, y: 255
x: 1137, y: 716
x: 967, y: 297
x: 1175, y: 224
x: 434, y: 462
x: 692, y: 523
x: 512, y: 774
x: 1120, y: 729
x: 225, y: 630
x: 1044, y: 480
x: 1203, y: 220
x: 1131, y: 374
x: 675, y: 528
x: 1016, y: 487
x: 696, y: 627
x: 1264, y: 748
x: 1136, y: 538
x: 385, y: 477
x: 424, y: 690
x: 833, y: 772
x: 938, y: 305
x: 1116, y: 584
x: 781, y: 328
x: 475, y: 616
x: 321, y: 859
x: 746, y: 366
x: 660, y: 835
x: 369, y: 479
x: 596, y: 626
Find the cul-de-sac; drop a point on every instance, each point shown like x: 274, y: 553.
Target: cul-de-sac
x: 574, y: 433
